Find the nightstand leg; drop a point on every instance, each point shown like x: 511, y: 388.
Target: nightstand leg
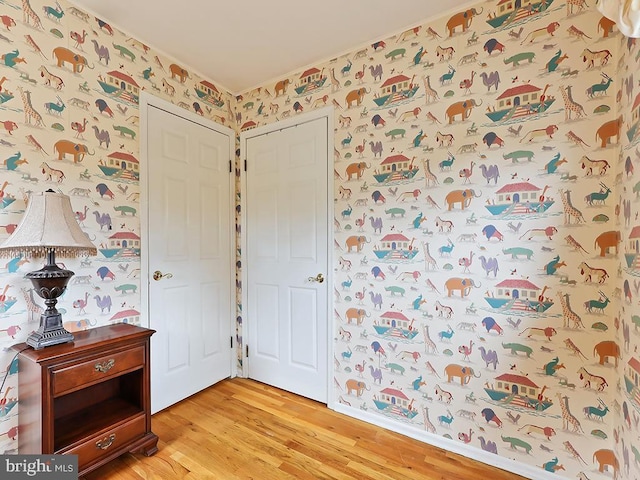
x: 149, y: 447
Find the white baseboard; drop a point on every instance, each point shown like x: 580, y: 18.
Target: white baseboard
x: 469, y: 451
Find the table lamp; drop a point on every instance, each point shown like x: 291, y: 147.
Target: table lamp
x: 48, y: 227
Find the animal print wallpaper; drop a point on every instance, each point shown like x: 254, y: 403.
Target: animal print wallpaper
x: 627, y: 319
x: 69, y: 120
x: 486, y: 230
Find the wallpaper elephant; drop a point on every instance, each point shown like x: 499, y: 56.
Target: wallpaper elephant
x: 462, y: 109
x: 64, y: 56
x: 76, y: 150
x: 462, y: 20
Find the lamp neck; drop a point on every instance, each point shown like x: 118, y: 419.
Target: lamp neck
x: 51, y: 257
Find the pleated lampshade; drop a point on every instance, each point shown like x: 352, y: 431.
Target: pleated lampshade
x: 49, y: 223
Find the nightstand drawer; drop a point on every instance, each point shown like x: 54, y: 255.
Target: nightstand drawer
x: 66, y: 380
x: 100, y: 445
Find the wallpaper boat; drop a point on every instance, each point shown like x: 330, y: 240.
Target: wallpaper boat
x: 517, y: 304
x: 395, y: 89
x: 632, y: 253
x: 121, y: 165
x: 208, y: 92
x: 633, y: 260
x: 395, y: 332
x: 119, y: 173
x: 121, y: 86
x: 120, y: 252
x: 395, y: 325
x: 6, y: 407
x: 519, y: 198
x: 633, y: 131
x: 399, y: 176
x: 515, y: 10
x: 395, y: 97
x: 632, y: 390
x: 396, y: 403
x: 518, y: 391
x: 395, y: 246
x: 122, y: 245
x: 519, y: 295
x: 520, y: 101
x: 519, y: 207
x: 632, y: 380
x: 6, y: 201
x: 518, y: 111
x: 310, y: 80
x: 518, y: 400
x: 309, y: 87
x: 7, y: 304
x: 5, y: 97
x: 395, y: 169
x: 130, y: 316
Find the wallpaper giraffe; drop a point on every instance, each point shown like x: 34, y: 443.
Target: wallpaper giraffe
x: 486, y: 230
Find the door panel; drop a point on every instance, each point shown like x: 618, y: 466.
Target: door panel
x: 189, y: 224
x: 287, y: 242
x: 178, y: 341
x: 304, y: 303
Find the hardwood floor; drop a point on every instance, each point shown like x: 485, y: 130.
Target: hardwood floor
x: 241, y: 429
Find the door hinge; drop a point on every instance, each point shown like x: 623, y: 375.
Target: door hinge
x: 247, y: 351
x: 231, y: 341
x: 230, y: 167
x: 245, y: 164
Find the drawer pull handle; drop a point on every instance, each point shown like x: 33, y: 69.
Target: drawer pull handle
x: 106, y: 442
x: 104, y: 367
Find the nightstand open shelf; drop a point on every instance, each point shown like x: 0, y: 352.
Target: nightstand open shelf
x: 90, y: 398
x: 76, y: 426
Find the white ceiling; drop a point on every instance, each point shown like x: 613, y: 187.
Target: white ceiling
x: 245, y: 43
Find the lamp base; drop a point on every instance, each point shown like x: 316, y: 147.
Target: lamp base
x: 49, y: 283
x: 51, y: 332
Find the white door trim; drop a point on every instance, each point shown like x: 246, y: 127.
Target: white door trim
x: 147, y: 100
x: 328, y: 113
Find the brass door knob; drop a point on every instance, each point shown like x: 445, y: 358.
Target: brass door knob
x: 318, y: 278
x: 158, y: 275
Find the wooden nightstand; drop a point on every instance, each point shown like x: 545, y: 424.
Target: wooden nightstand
x: 90, y: 397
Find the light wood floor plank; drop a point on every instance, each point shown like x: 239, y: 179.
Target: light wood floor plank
x: 243, y: 430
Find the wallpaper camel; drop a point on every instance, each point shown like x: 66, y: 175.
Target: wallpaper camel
x: 486, y: 231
